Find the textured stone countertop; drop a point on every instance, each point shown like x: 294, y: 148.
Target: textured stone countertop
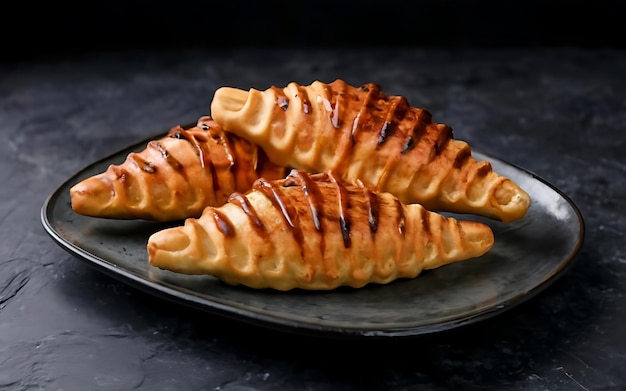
x: 559, y: 113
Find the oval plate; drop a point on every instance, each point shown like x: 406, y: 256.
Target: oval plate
x: 528, y: 255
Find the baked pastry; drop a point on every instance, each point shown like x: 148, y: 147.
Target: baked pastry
x: 315, y: 232
x: 176, y: 176
x: 361, y: 133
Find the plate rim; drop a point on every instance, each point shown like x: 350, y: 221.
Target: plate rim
x: 175, y: 294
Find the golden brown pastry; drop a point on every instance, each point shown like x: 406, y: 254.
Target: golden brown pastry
x: 176, y: 176
x: 361, y: 133
x: 315, y: 232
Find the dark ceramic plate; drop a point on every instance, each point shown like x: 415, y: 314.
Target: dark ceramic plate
x: 528, y: 256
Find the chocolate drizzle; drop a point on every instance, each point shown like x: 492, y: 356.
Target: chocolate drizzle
x: 281, y: 99
x: 282, y: 203
x: 225, y: 148
x: 384, y: 133
x: 166, y: 155
x: 335, y: 104
x: 271, y: 192
x: 355, y: 124
x: 243, y: 202
x: 224, y: 225
x: 373, y: 207
x: 371, y: 91
x: 142, y: 163
x: 342, y: 200
x: 461, y: 158
x: 209, y: 158
x: 397, y: 110
x: 383, y: 118
x: 417, y: 133
x: 409, y: 143
x: 282, y: 102
x: 197, y: 141
x: 309, y: 189
x: 311, y: 194
x: 306, y: 103
x: 444, y: 135
x: 149, y: 168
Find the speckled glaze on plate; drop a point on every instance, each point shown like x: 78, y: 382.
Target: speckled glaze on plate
x: 528, y: 255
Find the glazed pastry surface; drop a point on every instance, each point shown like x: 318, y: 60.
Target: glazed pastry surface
x: 176, y: 176
x: 315, y: 232
x: 362, y: 133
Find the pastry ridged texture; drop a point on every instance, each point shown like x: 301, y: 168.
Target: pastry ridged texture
x: 175, y: 176
x: 315, y: 232
x: 362, y: 133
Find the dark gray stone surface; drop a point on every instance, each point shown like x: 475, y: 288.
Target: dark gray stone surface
x: 559, y: 112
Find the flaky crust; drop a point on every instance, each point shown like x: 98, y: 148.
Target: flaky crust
x: 176, y: 176
x: 361, y: 133
x: 315, y: 232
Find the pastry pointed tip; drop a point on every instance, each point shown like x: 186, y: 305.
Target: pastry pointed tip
x: 513, y: 202
x: 175, y: 249
x: 479, y: 238
x: 168, y: 240
x: 92, y: 196
x: 163, y: 247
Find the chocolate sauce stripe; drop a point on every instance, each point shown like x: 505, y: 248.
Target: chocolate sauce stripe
x: 244, y: 203
x: 397, y: 108
x: 223, y: 223
x: 342, y: 200
x: 175, y: 164
x: 373, y: 207
x: 311, y: 193
x: 141, y: 163
x: 281, y: 99
x: 304, y: 98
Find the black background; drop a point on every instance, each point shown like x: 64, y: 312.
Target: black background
x: 36, y: 29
